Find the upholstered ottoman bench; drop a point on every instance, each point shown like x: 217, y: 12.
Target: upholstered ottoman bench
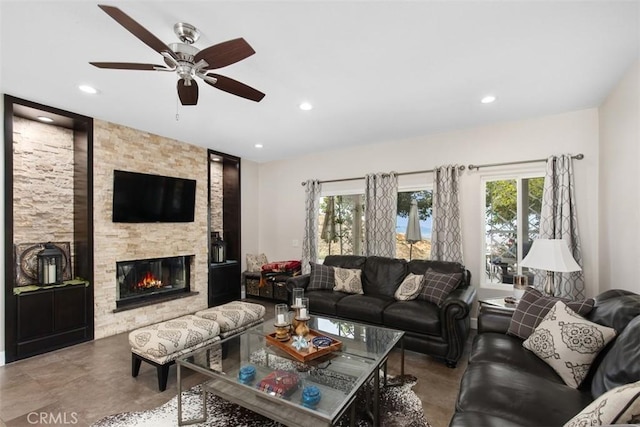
x: 162, y: 343
x: 234, y: 317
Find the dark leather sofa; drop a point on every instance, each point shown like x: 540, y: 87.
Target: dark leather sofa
x: 440, y: 332
x: 506, y: 385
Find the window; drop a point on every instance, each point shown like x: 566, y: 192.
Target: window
x: 341, y: 225
x: 422, y: 248
x: 511, y: 221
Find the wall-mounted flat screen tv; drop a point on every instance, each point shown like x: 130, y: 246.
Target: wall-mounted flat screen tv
x: 139, y: 197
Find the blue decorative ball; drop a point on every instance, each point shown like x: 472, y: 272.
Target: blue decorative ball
x: 246, y: 374
x: 311, y: 396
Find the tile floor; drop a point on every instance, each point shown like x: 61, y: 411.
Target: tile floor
x: 81, y: 384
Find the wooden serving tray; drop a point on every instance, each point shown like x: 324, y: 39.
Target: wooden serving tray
x: 305, y: 354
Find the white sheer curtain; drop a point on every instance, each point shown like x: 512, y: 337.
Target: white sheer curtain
x: 312, y: 209
x: 446, y: 232
x: 381, y: 205
x: 559, y: 220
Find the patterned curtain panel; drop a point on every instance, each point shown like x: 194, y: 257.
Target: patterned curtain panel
x: 312, y: 209
x: 381, y: 205
x: 558, y: 220
x: 446, y: 232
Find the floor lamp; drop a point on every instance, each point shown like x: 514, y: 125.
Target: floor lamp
x: 552, y: 255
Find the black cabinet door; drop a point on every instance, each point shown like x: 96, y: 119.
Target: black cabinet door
x: 35, y: 315
x: 71, y: 308
x: 224, y: 283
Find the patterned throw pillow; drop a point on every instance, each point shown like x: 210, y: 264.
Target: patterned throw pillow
x: 321, y: 277
x: 409, y: 288
x: 348, y: 280
x: 437, y: 286
x: 532, y: 308
x: 568, y: 343
x: 617, y: 406
x: 255, y: 262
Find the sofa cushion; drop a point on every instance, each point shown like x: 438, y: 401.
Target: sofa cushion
x: 615, y: 308
x: 615, y: 370
x: 345, y: 261
x: 382, y: 276
x: 568, y: 342
x: 437, y: 286
x: 324, y: 302
x: 321, y: 277
x: 421, y: 317
x: 500, y: 348
x: 532, y: 308
x: 365, y: 308
x: 347, y: 280
x: 523, y: 398
x: 409, y: 288
x: 620, y: 405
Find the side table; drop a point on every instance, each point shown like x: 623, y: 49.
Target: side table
x: 498, y: 303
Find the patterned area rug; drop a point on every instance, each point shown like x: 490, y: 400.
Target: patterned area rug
x: 399, y: 406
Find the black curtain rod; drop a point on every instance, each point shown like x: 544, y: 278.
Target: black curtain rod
x: 472, y: 167
x: 362, y: 177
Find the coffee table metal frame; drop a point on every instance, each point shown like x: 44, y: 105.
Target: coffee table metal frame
x: 278, y: 409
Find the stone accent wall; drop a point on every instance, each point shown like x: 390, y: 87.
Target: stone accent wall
x: 216, y: 197
x: 43, y: 183
x: 123, y: 148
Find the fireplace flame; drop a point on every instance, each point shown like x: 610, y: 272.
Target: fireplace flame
x: 149, y: 281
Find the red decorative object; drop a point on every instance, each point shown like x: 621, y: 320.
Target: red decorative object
x: 284, y: 269
x: 279, y: 383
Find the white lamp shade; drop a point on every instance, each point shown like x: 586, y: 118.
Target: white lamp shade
x: 550, y: 255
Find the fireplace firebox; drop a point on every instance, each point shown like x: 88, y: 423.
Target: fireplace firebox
x: 145, y: 280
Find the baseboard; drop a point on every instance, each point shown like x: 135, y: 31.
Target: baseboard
x: 474, y: 323
x: 1, y: 358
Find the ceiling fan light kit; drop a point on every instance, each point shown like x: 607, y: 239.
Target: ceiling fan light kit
x: 187, y: 60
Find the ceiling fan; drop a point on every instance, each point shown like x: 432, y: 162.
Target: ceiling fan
x: 186, y: 60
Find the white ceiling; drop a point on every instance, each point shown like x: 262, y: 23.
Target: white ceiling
x: 374, y: 70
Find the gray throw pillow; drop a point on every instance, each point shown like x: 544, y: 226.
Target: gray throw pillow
x: 437, y: 286
x: 321, y: 277
x: 532, y: 308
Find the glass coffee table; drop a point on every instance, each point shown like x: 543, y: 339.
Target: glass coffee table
x: 279, y: 380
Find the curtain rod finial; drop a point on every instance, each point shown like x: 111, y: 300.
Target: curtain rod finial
x: 472, y: 167
x: 579, y: 156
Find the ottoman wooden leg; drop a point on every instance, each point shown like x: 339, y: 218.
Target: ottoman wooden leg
x: 163, y: 375
x: 135, y: 364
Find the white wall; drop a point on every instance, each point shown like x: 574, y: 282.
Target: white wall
x: 620, y: 184
x: 2, y: 309
x: 282, y: 196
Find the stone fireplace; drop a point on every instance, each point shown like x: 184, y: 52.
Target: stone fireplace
x: 145, y: 281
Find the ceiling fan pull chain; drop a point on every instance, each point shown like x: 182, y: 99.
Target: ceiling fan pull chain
x: 177, y: 112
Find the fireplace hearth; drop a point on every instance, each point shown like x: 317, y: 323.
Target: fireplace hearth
x: 145, y: 280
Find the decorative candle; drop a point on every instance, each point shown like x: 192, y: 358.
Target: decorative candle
x: 280, y: 319
x: 298, y: 302
x: 51, y: 273
x: 303, y: 313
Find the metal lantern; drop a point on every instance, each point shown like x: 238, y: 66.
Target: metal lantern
x: 49, y: 265
x: 218, y: 249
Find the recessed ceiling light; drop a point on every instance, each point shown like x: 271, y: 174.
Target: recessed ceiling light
x: 488, y: 99
x: 258, y: 145
x: 88, y: 89
x: 45, y: 119
x: 305, y: 106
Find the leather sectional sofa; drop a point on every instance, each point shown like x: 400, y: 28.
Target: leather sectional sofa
x: 439, y: 331
x: 507, y: 385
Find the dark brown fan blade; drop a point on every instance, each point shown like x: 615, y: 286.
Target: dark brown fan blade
x: 136, y: 29
x: 235, y: 87
x: 126, y: 66
x: 188, y: 94
x: 225, y: 53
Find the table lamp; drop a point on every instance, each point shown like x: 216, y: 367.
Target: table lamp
x: 552, y: 255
